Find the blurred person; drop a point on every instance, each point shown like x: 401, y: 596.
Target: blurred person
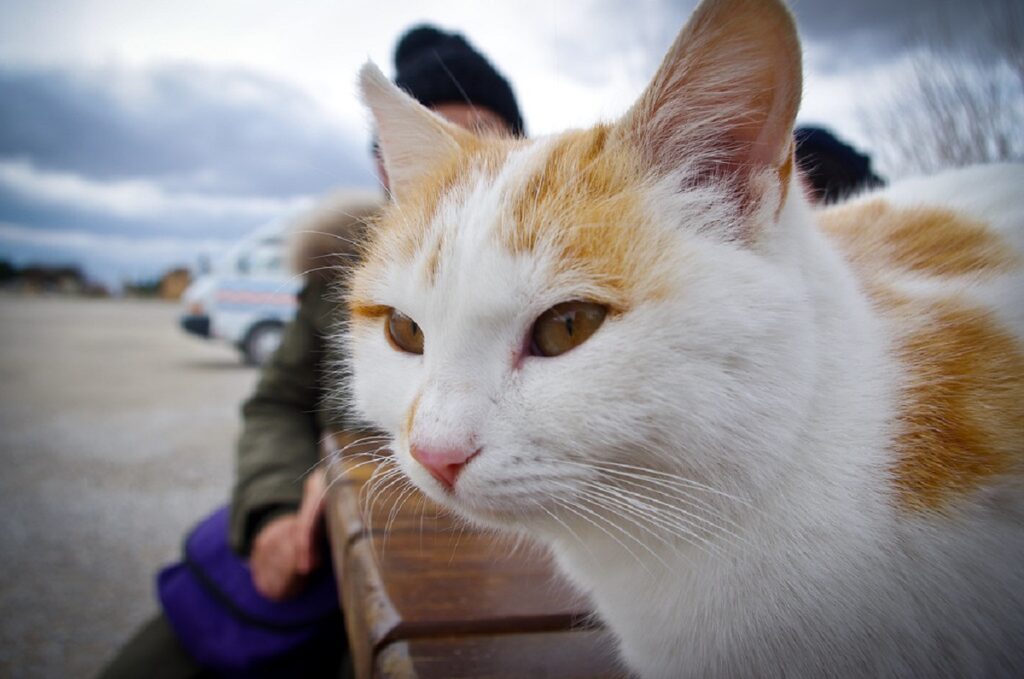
x: 277, y: 615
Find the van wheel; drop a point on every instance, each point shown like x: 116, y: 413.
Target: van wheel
x: 261, y: 342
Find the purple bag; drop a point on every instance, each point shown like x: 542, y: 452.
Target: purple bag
x: 219, y: 617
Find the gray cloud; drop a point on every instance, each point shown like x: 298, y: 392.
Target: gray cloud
x: 853, y: 35
x: 845, y: 35
x: 190, y: 127
x: 178, y: 154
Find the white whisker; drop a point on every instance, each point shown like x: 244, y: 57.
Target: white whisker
x: 576, y: 510
x: 649, y: 514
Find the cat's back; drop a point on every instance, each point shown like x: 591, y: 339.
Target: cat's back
x: 955, y: 228
x: 952, y: 238
x: 941, y: 260
x: 991, y: 194
x: 941, y: 263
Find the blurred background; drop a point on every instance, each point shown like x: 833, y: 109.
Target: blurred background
x: 136, y: 135
x: 140, y: 139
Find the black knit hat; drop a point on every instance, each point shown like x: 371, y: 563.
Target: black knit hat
x: 437, y: 67
x: 834, y: 169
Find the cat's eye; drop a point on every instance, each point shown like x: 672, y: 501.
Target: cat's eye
x: 403, y: 333
x: 565, y: 326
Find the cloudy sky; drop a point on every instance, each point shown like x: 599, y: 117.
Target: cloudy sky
x: 136, y: 135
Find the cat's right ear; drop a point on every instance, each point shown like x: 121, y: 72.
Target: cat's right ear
x: 412, y: 139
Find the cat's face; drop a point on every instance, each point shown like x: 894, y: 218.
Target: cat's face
x: 533, y: 319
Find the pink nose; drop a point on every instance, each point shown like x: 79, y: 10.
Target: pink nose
x: 444, y: 464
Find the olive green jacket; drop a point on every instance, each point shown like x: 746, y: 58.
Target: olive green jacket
x: 286, y: 417
x: 283, y: 421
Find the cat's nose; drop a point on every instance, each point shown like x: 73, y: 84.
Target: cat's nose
x: 444, y: 464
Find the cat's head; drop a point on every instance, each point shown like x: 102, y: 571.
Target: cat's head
x: 535, y: 318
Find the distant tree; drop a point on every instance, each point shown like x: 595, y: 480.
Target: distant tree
x: 961, y: 100
x: 7, y: 271
x: 148, y: 287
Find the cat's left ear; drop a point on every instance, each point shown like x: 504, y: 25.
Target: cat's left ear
x: 724, y: 101
x: 413, y: 140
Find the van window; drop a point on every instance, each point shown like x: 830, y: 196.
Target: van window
x: 266, y: 261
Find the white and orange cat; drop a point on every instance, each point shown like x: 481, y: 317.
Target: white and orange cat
x: 764, y: 440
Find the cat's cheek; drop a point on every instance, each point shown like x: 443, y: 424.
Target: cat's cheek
x: 383, y: 380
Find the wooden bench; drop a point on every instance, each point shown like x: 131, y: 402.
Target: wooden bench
x: 431, y: 598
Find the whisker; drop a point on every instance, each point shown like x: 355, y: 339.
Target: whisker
x: 675, y: 478
x: 575, y: 510
x: 339, y: 452
x: 379, y: 483
x: 684, y: 512
x: 651, y: 524
x: 462, y: 529
x: 397, y: 507
x: 405, y: 493
x: 679, y: 493
x: 571, y: 532
x: 683, y: 530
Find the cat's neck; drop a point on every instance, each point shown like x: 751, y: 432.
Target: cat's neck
x: 837, y: 442
x: 845, y: 433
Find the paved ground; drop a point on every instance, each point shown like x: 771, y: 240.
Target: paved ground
x: 116, y: 434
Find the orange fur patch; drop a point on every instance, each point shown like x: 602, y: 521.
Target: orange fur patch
x: 786, y: 176
x: 962, y: 416
x: 410, y: 417
x: 961, y: 413
x: 402, y: 229
x: 585, y: 204
x: 434, y: 261
x: 930, y: 241
x: 360, y: 310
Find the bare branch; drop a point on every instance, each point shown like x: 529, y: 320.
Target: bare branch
x: 958, y: 103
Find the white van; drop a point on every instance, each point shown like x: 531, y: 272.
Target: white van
x: 247, y: 296
x: 250, y: 293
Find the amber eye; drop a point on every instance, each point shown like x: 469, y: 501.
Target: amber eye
x: 403, y: 333
x: 565, y: 326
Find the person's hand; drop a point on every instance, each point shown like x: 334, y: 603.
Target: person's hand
x: 285, y: 551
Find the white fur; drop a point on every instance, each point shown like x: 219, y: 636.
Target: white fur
x: 766, y: 377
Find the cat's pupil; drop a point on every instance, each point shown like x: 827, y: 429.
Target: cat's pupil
x: 568, y: 325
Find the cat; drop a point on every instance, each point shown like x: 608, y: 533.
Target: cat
x: 763, y: 439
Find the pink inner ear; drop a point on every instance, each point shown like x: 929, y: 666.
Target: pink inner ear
x: 766, y: 144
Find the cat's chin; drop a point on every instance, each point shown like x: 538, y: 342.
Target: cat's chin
x: 515, y: 518
x: 487, y: 512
